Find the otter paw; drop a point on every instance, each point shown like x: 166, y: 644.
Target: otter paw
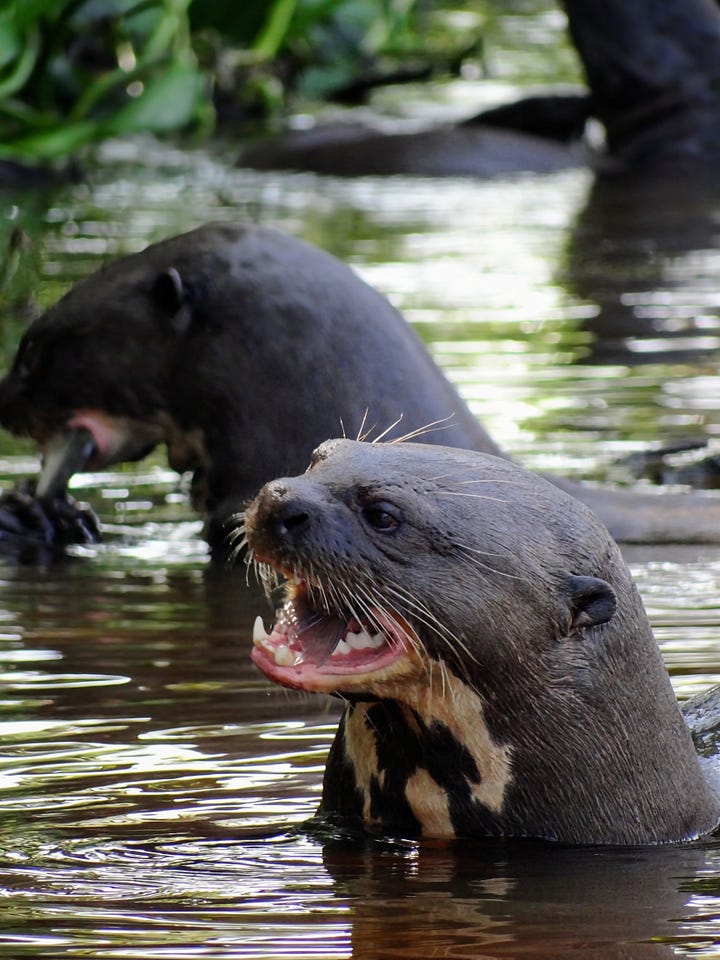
x: 51, y: 521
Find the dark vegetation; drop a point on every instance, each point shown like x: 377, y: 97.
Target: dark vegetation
x: 73, y: 72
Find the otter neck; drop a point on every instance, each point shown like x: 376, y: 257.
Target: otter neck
x: 413, y: 767
x: 443, y: 768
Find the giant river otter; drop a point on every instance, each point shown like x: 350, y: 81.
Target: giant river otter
x: 241, y: 349
x: 500, y: 675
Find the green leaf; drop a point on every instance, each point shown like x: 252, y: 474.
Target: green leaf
x: 52, y: 144
x: 271, y: 37
x: 27, y: 14
x: 169, y: 101
x: 10, y: 46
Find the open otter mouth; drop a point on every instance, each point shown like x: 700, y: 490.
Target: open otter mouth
x: 308, y: 649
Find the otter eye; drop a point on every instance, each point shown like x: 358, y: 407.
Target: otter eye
x: 27, y: 361
x: 382, y: 515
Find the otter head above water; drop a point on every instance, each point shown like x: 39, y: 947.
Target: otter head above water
x: 239, y: 347
x: 500, y: 673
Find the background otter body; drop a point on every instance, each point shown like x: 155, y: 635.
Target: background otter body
x: 239, y: 347
x: 516, y: 690
x: 242, y: 349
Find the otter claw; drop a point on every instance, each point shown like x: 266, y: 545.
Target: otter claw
x: 48, y: 521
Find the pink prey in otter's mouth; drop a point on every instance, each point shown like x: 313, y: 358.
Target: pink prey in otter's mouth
x: 91, y: 440
x: 311, y: 648
x: 117, y: 438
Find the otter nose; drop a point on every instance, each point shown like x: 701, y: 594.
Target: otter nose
x: 283, y: 514
x: 290, y: 519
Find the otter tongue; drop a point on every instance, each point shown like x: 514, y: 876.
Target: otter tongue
x: 318, y: 635
x: 66, y: 453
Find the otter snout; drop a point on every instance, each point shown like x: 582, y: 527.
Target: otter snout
x: 13, y: 405
x: 280, y: 517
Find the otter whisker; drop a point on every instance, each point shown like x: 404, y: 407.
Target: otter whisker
x: 424, y: 615
x: 440, y: 664
x: 267, y: 577
x: 239, y: 549
x: 250, y: 564
x: 358, y: 604
x: 436, y: 478
x: 474, y: 496
x: 341, y: 600
x: 442, y: 424
x: 493, y: 570
x: 236, y: 538
x: 331, y: 598
x: 453, y: 478
x: 474, y: 556
x: 361, y: 434
x: 353, y: 597
x: 493, y: 480
x: 446, y: 685
x: 337, y: 595
x: 315, y: 586
x: 324, y: 595
x: 386, y: 431
x: 505, y: 555
x: 238, y: 520
x: 372, y: 604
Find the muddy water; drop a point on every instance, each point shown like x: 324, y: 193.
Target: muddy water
x: 151, y: 783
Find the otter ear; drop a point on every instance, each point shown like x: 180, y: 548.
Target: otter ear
x: 171, y: 296
x: 592, y: 601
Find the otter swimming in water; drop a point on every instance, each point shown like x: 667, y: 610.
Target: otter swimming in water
x: 500, y: 675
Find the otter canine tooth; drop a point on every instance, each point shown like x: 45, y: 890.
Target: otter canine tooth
x: 259, y: 632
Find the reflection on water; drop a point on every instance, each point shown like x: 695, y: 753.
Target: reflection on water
x: 151, y: 782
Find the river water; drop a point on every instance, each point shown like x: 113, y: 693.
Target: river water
x: 152, y: 784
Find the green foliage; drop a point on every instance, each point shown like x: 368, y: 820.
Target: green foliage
x: 75, y: 71
x: 337, y: 43
x: 332, y: 42
x: 321, y: 48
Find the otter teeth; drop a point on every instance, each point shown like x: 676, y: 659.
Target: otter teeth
x: 360, y: 640
x: 284, y: 657
x: 259, y: 633
x: 281, y: 653
x: 354, y: 640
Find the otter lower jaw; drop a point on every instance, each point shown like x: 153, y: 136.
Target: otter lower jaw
x: 329, y: 653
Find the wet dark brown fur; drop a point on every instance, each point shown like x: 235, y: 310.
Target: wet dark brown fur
x: 542, y: 708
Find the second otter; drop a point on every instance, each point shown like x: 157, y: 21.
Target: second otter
x: 242, y: 349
